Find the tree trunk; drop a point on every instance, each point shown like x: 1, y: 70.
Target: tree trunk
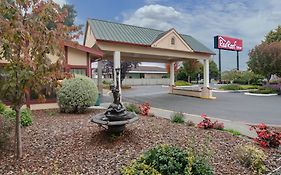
x: 18, y: 134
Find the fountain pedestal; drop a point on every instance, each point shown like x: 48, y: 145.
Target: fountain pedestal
x: 116, y: 117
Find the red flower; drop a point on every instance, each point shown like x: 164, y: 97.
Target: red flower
x: 266, y: 138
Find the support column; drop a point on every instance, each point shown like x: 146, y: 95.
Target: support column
x: 206, y: 91
x: 206, y: 73
x: 172, y: 76
x: 117, y: 63
x: 100, y: 88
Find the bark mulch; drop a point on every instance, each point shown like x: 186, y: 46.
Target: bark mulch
x: 69, y: 144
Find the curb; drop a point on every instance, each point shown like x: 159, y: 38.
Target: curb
x: 243, y: 128
x: 260, y: 95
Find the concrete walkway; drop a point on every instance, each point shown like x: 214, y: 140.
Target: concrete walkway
x: 237, y: 126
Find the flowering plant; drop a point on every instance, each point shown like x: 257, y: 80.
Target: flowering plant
x: 144, y: 109
x: 208, y: 124
x: 266, y: 138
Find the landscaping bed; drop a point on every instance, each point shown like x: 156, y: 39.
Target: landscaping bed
x: 236, y: 87
x: 69, y: 144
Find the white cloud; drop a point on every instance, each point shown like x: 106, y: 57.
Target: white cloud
x: 249, y: 20
x: 153, y: 15
x: 61, y: 2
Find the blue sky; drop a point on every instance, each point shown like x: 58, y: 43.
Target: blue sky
x: 249, y: 20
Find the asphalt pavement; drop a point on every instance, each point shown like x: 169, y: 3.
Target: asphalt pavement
x: 229, y: 106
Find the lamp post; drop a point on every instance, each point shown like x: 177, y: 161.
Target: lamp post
x: 118, y: 81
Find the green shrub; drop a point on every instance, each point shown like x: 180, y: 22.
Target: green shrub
x: 247, y: 87
x: 2, y: 107
x: 139, y: 169
x: 238, y: 87
x: 26, y: 117
x: 168, y: 160
x: 264, y: 90
x: 9, y: 113
x: 177, y: 117
x: 77, y: 94
x: 182, y: 83
x: 231, y: 87
x: 251, y: 157
x: 232, y: 131
x: 133, y: 108
x: 6, y: 127
x: 240, y: 81
x: 165, y: 159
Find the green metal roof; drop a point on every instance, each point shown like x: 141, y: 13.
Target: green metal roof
x: 111, y: 31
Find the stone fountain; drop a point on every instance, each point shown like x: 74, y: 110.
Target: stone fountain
x: 115, y: 118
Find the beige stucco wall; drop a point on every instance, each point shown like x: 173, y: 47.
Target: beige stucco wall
x: 165, y: 43
x: 90, y: 39
x: 77, y: 57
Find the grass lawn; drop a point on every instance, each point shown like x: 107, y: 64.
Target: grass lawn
x: 69, y: 144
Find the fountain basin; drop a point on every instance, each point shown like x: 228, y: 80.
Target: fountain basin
x: 114, y: 126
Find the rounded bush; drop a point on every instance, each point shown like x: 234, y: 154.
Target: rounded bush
x: 77, y: 94
x: 165, y: 159
x: 169, y: 160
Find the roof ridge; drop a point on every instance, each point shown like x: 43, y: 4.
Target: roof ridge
x: 103, y: 20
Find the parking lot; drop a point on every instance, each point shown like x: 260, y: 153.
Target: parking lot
x: 229, y: 106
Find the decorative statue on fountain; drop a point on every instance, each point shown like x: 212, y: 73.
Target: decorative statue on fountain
x: 115, y: 118
x: 116, y: 111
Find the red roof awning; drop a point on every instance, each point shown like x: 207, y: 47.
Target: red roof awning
x: 94, y: 52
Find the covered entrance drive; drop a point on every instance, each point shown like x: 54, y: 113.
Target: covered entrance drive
x: 132, y: 43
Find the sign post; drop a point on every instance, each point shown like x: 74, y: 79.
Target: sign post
x: 227, y: 43
x: 220, y: 65
x: 237, y: 60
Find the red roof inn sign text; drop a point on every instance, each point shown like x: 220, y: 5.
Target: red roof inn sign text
x: 227, y: 43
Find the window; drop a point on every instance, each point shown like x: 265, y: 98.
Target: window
x: 79, y: 71
x: 173, y: 41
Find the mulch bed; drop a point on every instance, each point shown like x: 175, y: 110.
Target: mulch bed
x: 69, y: 144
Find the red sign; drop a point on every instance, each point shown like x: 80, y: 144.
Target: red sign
x: 228, y: 43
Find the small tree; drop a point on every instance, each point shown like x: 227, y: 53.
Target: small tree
x: 25, y: 43
x: 126, y: 66
x: 265, y: 59
x: 214, y: 71
x: 274, y: 35
x: 192, y: 68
